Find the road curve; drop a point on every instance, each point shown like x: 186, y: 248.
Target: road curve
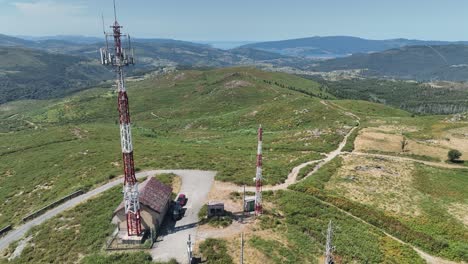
x: 21, y: 230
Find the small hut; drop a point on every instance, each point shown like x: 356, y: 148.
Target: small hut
x: 215, y: 208
x: 155, y: 199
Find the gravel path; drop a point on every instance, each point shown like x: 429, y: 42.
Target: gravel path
x: 173, y: 242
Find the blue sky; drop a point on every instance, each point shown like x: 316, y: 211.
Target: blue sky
x: 237, y: 20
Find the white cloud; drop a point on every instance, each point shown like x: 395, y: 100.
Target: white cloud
x: 49, y: 7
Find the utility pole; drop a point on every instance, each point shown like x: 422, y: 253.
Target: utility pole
x: 242, y: 249
x: 243, y: 206
x: 329, y: 247
x: 258, y: 175
x: 119, y: 57
x: 189, y: 249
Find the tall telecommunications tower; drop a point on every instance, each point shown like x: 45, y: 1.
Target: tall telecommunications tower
x: 118, y: 58
x: 258, y: 175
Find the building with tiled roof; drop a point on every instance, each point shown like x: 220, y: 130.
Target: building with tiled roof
x: 155, y: 199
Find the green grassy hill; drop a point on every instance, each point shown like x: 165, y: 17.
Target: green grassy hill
x: 205, y: 120
x: 189, y: 119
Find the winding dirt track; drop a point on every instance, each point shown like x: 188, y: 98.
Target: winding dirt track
x: 292, y: 178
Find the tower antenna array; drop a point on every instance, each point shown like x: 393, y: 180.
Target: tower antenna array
x: 258, y: 175
x: 329, y: 247
x: 118, y: 58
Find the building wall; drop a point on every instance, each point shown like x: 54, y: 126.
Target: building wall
x: 160, y: 217
x: 149, y: 217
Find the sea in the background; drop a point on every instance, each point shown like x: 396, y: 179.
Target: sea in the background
x: 225, y: 45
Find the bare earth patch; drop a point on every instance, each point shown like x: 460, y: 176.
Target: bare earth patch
x: 237, y: 83
x: 378, y: 182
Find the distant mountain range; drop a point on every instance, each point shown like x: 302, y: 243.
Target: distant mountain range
x: 337, y: 46
x: 157, y: 52
x: 44, y: 68
x: 63, y: 64
x: 422, y: 63
x: 68, y: 38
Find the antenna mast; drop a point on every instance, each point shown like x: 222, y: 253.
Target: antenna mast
x: 258, y: 175
x: 329, y: 247
x: 118, y: 59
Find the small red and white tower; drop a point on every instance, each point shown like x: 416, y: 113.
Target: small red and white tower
x: 258, y: 175
x: 119, y: 58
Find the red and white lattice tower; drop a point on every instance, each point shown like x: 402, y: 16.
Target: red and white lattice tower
x: 119, y: 58
x: 258, y: 175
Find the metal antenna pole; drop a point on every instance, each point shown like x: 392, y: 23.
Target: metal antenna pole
x: 189, y: 249
x: 329, y: 246
x: 103, y: 24
x: 258, y: 175
x: 115, y: 12
x: 243, y: 205
x: 242, y: 249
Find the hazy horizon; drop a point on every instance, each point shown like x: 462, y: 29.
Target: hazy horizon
x: 209, y: 20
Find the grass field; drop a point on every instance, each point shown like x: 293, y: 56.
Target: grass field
x: 418, y: 204
x: 208, y: 120
x: 191, y: 119
x: 73, y: 234
x: 304, y: 223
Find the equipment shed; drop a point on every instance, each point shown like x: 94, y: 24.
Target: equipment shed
x: 155, y: 199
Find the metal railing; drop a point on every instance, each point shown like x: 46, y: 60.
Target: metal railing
x: 52, y: 205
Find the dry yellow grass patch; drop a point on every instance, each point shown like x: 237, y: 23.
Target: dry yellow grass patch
x: 388, y: 139
x: 220, y: 191
x: 382, y: 183
x: 458, y: 139
x: 459, y: 211
x: 372, y: 139
x: 176, y: 184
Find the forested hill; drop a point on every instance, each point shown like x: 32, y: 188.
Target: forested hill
x: 52, y: 68
x: 34, y: 74
x: 423, y: 63
x: 421, y: 98
x: 337, y: 46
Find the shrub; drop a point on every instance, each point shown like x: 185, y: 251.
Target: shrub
x: 215, y: 251
x: 454, y: 155
x: 203, y: 213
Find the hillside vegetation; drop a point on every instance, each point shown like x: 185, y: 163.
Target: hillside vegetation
x: 422, y: 98
x: 208, y: 120
x: 190, y: 119
x: 33, y: 74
